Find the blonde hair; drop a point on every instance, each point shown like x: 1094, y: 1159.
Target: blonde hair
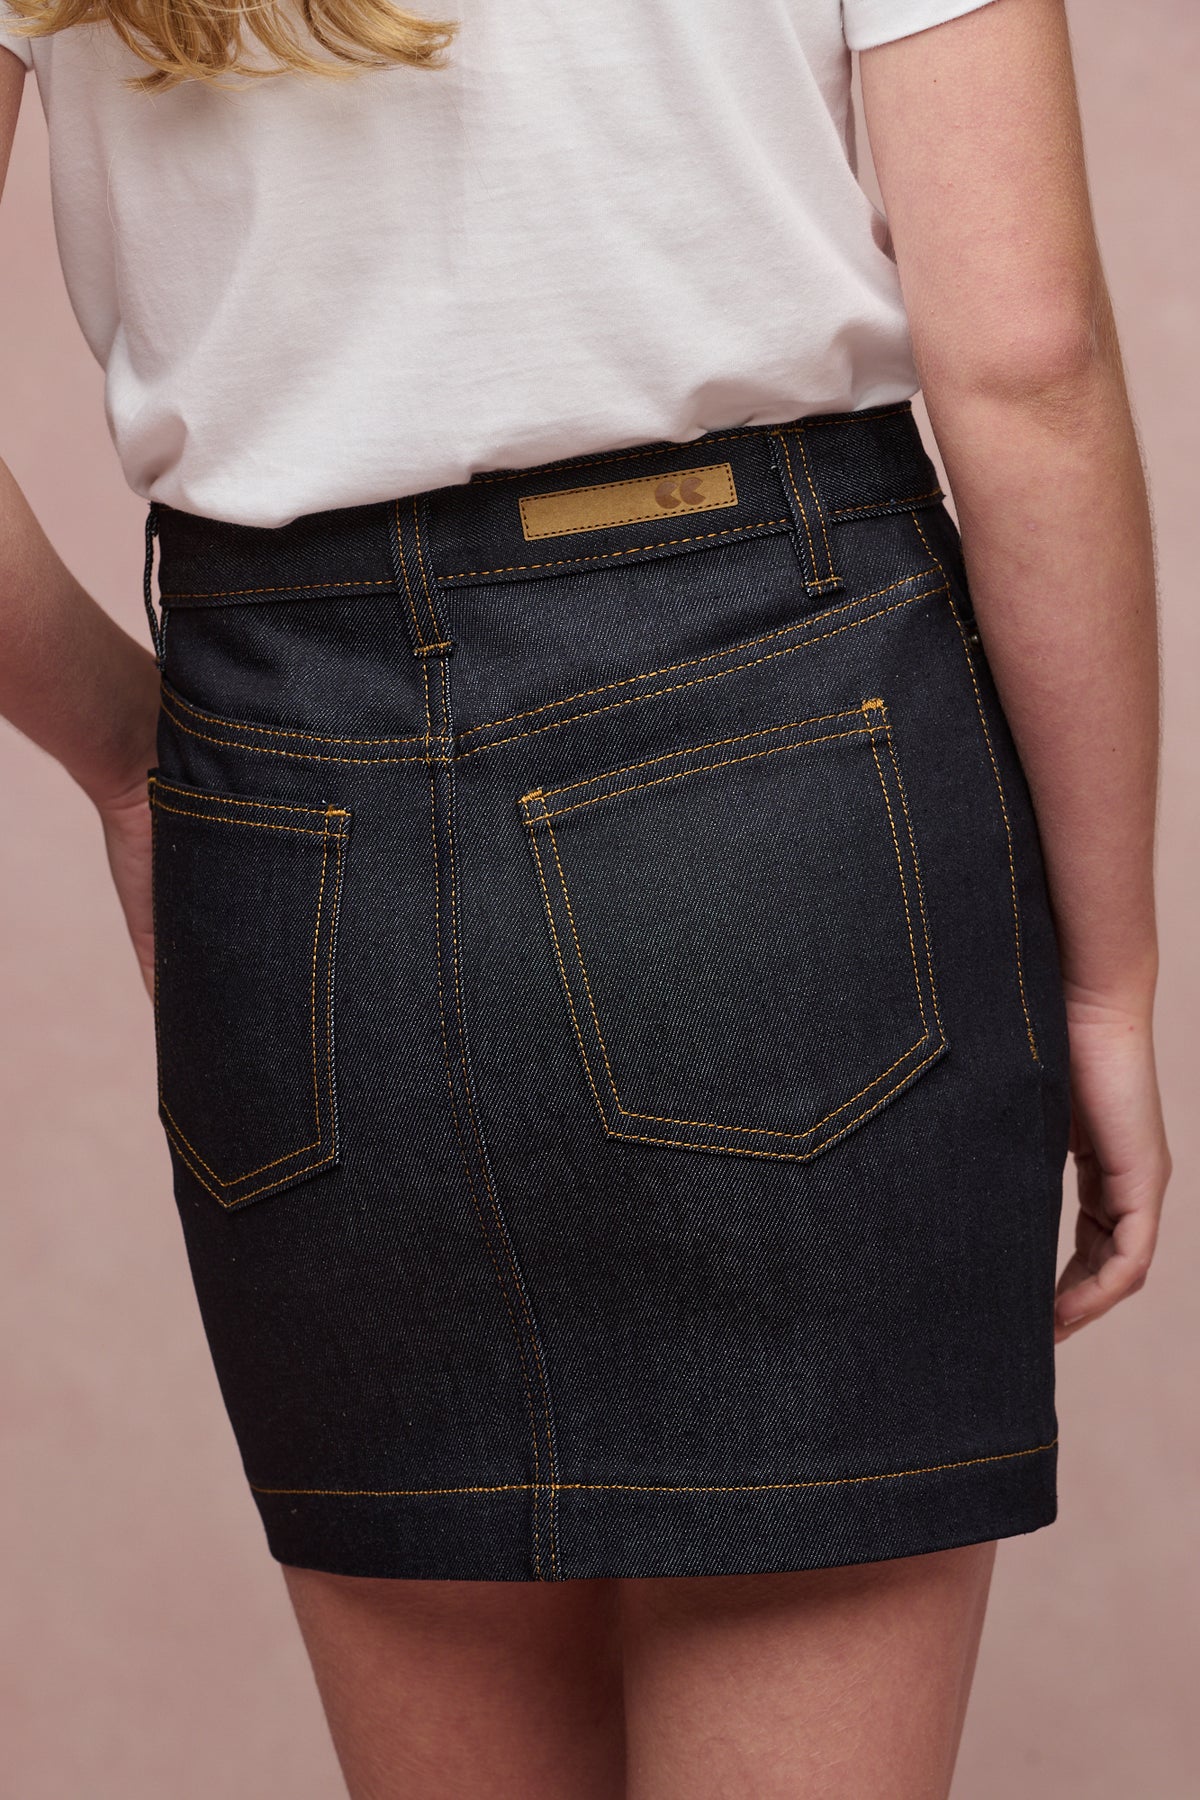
x: 203, y: 40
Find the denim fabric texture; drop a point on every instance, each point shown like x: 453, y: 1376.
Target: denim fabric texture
x: 611, y: 1039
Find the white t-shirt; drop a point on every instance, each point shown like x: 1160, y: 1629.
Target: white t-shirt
x: 598, y: 225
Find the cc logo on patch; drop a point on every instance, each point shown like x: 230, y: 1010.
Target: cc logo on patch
x: 605, y: 505
x: 675, y: 491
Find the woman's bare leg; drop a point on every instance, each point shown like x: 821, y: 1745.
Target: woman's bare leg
x: 440, y: 1690
x: 833, y: 1684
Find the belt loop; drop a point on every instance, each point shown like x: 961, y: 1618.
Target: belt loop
x: 408, y: 546
x: 158, y: 632
x: 812, y: 532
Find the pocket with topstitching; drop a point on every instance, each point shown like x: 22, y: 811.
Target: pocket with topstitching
x: 246, y: 896
x: 741, y: 937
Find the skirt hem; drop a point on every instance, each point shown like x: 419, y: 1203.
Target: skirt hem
x: 483, y: 1533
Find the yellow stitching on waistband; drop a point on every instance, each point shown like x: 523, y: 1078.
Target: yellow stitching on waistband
x: 290, y: 587
x: 633, y: 550
x: 599, y: 457
x: 908, y: 500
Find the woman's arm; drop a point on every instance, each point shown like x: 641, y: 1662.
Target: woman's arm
x: 70, y: 678
x: 975, y: 133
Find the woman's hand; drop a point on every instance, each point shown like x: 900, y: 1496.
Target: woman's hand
x: 126, y: 822
x: 87, y: 692
x: 1121, y: 1155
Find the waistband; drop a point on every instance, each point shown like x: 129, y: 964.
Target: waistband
x: 805, y: 476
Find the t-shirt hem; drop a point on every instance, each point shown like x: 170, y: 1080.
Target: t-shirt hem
x: 21, y: 47
x: 870, y: 22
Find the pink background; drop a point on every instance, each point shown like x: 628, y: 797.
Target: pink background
x: 149, y: 1649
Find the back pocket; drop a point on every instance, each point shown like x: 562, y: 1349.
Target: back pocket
x: 246, y: 897
x: 740, y: 933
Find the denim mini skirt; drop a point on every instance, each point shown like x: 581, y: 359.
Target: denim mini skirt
x: 610, y: 1034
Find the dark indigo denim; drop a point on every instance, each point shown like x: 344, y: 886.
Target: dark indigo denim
x: 610, y: 1029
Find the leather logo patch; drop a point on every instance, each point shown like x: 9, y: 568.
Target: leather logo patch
x: 646, y: 497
